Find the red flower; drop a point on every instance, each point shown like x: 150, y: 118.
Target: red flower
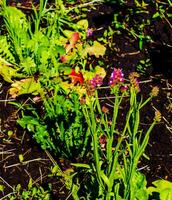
x: 63, y: 58
x: 75, y: 37
x: 76, y: 77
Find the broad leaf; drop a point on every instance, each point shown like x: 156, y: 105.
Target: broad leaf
x: 25, y: 86
x: 83, y: 24
x: 163, y: 187
x: 96, y: 50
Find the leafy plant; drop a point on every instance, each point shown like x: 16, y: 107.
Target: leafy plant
x: 32, y: 192
x: 163, y: 188
x: 116, y: 160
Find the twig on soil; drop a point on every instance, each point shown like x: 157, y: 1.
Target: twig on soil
x: 7, y: 152
x: 146, y: 81
x: 50, y: 157
x: 7, y: 157
x: 6, y: 183
x: 86, y: 4
x: 8, y: 195
x: 22, y: 139
x: 28, y: 151
x: 6, y: 100
x: 25, y: 162
x: 38, y: 179
x: 141, y: 168
x: 28, y: 173
x: 128, y: 54
x: 40, y: 174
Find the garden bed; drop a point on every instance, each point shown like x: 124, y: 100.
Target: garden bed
x: 132, y: 48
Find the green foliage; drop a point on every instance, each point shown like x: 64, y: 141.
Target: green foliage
x: 163, y: 187
x: 116, y: 161
x: 32, y: 192
x: 61, y: 129
x: 5, y: 52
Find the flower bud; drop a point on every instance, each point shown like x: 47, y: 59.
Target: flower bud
x: 157, y: 116
x: 155, y: 91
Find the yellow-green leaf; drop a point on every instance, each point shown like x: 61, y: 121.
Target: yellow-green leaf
x: 101, y: 71
x: 21, y: 158
x: 7, y: 71
x: 97, y: 49
x: 83, y: 24
x: 25, y: 86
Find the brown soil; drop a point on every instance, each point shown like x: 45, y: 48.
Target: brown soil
x: 124, y: 53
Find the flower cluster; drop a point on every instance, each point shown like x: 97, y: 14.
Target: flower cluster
x: 155, y: 91
x: 157, y: 116
x: 117, y: 77
x: 97, y: 81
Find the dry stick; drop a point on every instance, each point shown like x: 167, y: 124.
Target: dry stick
x: 28, y: 173
x: 6, y: 152
x: 6, y: 100
x: 50, y: 157
x: 38, y: 179
x: 7, y: 157
x: 28, y: 151
x: 168, y: 22
x: 6, y: 183
x: 7, y: 195
x: 22, y: 139
x: 40, y: 174
x: 25, y: 162
x: 86, y: 4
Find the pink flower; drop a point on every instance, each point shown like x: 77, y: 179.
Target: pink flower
x: 96, y: 81
x: 124, y: 88
x: 116, y: 77
x: 89, y: 32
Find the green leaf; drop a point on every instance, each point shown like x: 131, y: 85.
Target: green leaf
x: 7, y: 71
x: 30, y: 184
x: 2, y: 187
x: 60, y: 49
x: 163, y: 187
x: 105, y: 178
x: 21, y: 158
x: 83, y: 24
x: 156, y: 15
x: 81, y: 165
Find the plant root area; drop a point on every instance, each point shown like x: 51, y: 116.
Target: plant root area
x: 123, y: 53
